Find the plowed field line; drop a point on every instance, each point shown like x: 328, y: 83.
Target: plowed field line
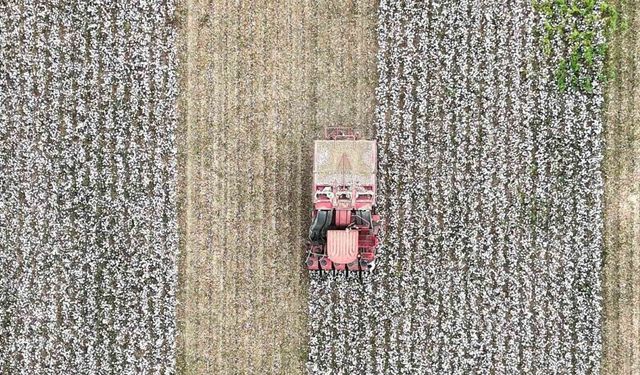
x: 260, y: 80
x: 621, y: 280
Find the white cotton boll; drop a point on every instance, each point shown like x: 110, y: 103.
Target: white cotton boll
x: 68, y: 201
x: 504, y: 244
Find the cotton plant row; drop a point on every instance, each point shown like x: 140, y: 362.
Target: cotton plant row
x: 490, y: 184
x: 87, y: 119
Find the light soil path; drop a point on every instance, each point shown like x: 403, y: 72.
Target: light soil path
x: 260, y: 80
x: 621, y: 278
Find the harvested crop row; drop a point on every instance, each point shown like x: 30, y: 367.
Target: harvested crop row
x: 490, y: 183
x: 262, y: 80
x: 621, y: 276
x: 88, y: 234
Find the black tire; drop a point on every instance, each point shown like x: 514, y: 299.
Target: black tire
x: 317, y: 225
x: 325, y: 227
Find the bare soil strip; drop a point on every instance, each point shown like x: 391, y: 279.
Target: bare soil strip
x: 621, y: 276
x: 261, y: 80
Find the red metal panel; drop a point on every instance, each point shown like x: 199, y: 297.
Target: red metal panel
x: 342, y: 246
x: 343, y: 218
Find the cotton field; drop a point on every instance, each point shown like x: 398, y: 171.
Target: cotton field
x: 88, y: 234
x: 492, y: 191
x: 156, y: 158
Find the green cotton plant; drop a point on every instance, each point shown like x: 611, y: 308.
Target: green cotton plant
x: 574, y: 23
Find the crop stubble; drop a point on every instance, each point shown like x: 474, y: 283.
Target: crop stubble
x: 621, y: 276
x: 260, y: 80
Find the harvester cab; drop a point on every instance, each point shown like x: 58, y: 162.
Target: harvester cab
x: 343, y: 235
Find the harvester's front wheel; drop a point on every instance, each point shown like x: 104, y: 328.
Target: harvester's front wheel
x: 318, y: 226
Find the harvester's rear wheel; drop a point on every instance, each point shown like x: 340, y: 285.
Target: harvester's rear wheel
x: 325, y: 227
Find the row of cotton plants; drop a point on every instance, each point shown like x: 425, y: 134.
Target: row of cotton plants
x: 490, y: 185
x: 88, y: 245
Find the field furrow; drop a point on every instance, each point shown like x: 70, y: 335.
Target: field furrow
x: 261, y: 80
x: 621, y: 283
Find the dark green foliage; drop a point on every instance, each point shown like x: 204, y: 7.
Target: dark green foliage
x: 569, y: 32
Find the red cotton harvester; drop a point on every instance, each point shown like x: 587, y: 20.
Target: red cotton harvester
x: 344, y: 230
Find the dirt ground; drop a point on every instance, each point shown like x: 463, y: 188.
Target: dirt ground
x: 621, y: 279
x: 260, y: 81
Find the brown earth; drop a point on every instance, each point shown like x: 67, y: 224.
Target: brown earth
x: 260, y: 80
x: 621, y: 279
